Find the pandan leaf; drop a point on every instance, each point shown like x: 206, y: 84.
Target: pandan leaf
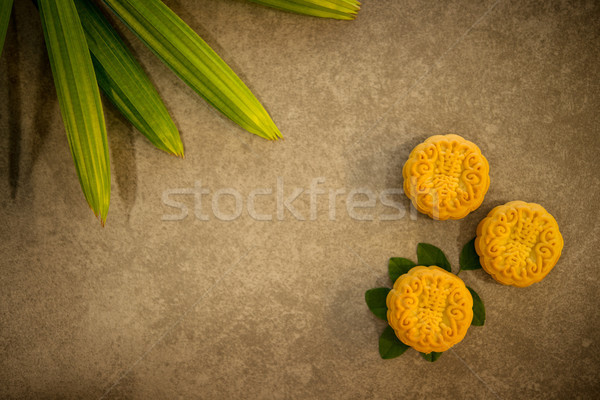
x: 469, y: 259
x: 125, y: 83
x: 399, y: 266
x: 478, y: 309
x: 430, y: 255
x: 389, y: 344
x: 337, y: 9
x: 375, y: 299
x: 431, y: 357
x: 79, y: 100
x: 5, y: 10
x: 179, y: 47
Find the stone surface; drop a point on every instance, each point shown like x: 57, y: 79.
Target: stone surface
x: 151, y: 308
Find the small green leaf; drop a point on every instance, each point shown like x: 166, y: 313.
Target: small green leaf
x: 5, y: 9
x: 375, y: 299
x: 389, y: 344
x: 337, y: 9
x: 399, y: 266
x: 431, y: 357
x: 428, y: 255
x: 478, y: 309
x: 469, y: 259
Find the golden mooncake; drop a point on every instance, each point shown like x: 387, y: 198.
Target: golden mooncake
x: 429, y: 309
x: 446, y: 177
x: 518, y: 243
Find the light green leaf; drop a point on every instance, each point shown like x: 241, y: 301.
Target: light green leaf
x: 375, y: 299
x: 79, y: 100
x: 431, y: 357
x: 469, y: 259
x: 125, y: 83
x: 430, y: 255
x: 478, y: 309
x: 389, y: 344
x: 399, y: 266
x: 5, y: 10
x: 337, y: 9
x: 178, y: 46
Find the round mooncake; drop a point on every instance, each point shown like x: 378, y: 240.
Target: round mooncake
x: 429, y: 309
x: 518, y: 243
x: 446, y: 177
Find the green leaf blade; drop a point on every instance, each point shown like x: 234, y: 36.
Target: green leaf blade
x: 336, y: 9
x: 469, y: 259
x: 478, y: 309
x: 79, y: 99
x: 431, y: 357
x: 5, y: 11
x: 376, y: 301
x: 125, y: 83
x: 428, y: 254
x: 180, y: 48
x: 389, y: 344
x: 399, y: 266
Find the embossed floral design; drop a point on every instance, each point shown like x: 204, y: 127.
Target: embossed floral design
x: 429, y: 309
x: 518, y: 243
x: 446, y: 177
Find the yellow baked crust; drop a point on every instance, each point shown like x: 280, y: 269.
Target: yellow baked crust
x: 446, y: 177
x: 430, y: 309
x: 518, y: 243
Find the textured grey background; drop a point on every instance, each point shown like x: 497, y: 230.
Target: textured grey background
x: 147, y: 308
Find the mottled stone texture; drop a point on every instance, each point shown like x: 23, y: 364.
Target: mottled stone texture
x: 248, y: 309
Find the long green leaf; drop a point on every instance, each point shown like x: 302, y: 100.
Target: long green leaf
x: 125, y: 83
x: 178, y: 46
x: 5, y: 9
x: 337, y: 9
x: 79, y: 100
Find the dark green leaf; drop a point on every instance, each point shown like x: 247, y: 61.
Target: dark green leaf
x: 431, y: 357
x: 375, y: 299
x: 478, y: 309
x: 428, y: 255
x: 469, y: 259
x: 5, y: 9
x: 399, y: 266
x: 389, y: 344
